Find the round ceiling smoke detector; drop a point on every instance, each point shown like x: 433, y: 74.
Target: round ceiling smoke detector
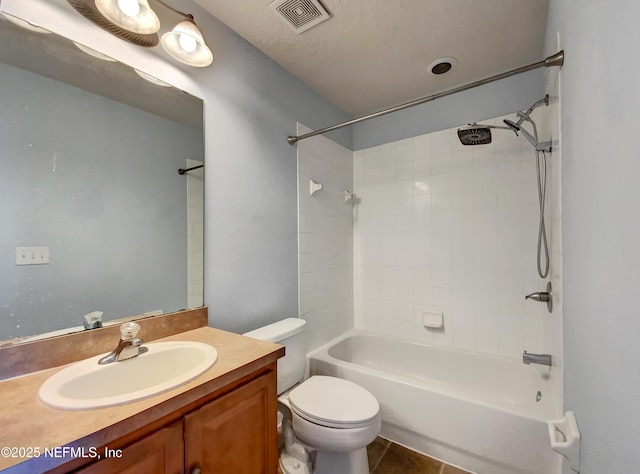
x: 442, y: 65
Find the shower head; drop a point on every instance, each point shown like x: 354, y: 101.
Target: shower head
x: 477, y: 134
x: 474, y: 135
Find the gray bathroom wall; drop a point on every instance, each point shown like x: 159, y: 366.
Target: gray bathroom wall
x: 491, y: 100
x: 96, y: 181
x: 599, y: 100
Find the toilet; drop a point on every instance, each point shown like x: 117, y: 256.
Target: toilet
x: 327, y: 421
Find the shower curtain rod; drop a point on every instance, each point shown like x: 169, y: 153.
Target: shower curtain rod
x: 183, y: 171
x: 553, y: 60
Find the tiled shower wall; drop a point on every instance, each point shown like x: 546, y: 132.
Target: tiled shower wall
x: 450, y: 228
x: 325, y: 239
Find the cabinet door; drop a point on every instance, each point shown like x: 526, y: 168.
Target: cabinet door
x: 158, y: 453
x: 237, y: 433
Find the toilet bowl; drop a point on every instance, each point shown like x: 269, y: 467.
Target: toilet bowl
x: 336, y: 419
x: 328, y: 422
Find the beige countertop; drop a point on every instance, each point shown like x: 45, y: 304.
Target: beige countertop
x: 27, y: 423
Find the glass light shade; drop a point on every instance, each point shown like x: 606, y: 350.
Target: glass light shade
x: 186, y: 44
x: 144, y: 22
x: 129, y: 7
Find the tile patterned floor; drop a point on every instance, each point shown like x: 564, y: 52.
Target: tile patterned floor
x: 386, y: 457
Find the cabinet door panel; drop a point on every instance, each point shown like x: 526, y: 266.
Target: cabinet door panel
x: 236, y: 433
x: 160, y: 453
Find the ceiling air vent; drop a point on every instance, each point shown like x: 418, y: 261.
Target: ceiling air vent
x: 300, y: 15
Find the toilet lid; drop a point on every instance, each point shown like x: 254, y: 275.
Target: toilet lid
x: 333, y: 401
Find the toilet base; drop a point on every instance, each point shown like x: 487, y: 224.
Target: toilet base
x: 290, y: 465
x: 350, y: 462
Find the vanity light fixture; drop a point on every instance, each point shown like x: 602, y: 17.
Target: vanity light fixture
x: 186, y: 44
x: 132, y: 15
x: 136, y: 22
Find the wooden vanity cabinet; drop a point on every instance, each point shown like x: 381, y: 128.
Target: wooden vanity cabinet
x: 234, y: 433
x: 160, y: 452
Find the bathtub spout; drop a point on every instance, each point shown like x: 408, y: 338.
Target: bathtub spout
x: 542, y: 359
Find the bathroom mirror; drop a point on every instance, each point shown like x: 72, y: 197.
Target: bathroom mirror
x: 94, y: 215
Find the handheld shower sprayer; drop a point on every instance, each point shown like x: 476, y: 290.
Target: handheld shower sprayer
x: 525, y: 117
x: 541, y: 166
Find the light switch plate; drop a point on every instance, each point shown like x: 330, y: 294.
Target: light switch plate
x: 32, y: 255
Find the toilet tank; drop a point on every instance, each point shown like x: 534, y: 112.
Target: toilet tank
x: 289, y: 333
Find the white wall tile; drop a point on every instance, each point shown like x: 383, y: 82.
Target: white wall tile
x: 462, y: 160
x: 441, y: 143
x: 325, y: 233
x: 421, y: 147
x: 464, y: 327
x: 422, y: 276
x: 442, y: 278
x: 462, y: 200
x: 441, y: 183
x: 422, y: 204
x: 465, y: 243
x: 443, y: 297
x: 423, y: 295
x: 486, y: 341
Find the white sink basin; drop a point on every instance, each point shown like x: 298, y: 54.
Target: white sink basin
x: 87, y: 384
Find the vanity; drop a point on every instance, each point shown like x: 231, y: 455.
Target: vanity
x: 224, y: 421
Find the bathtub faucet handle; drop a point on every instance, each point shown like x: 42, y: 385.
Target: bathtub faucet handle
x: 543, y: 296
x: 538, y: 296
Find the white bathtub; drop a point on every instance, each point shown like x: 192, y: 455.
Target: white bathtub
x: 478, y: 412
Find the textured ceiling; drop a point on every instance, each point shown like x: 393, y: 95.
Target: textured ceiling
x: 373, y: 54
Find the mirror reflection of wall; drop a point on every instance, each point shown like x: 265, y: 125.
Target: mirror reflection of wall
x: 95, y: 182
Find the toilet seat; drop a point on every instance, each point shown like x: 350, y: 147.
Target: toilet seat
x: 330, y: 439
x: 334, y: 403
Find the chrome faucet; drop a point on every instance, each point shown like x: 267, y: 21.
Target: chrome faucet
x: 543, y: 296
x: 128, y: 347
x: 542, y: 359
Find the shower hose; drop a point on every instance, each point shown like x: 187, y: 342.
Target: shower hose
x: 543, y: 247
